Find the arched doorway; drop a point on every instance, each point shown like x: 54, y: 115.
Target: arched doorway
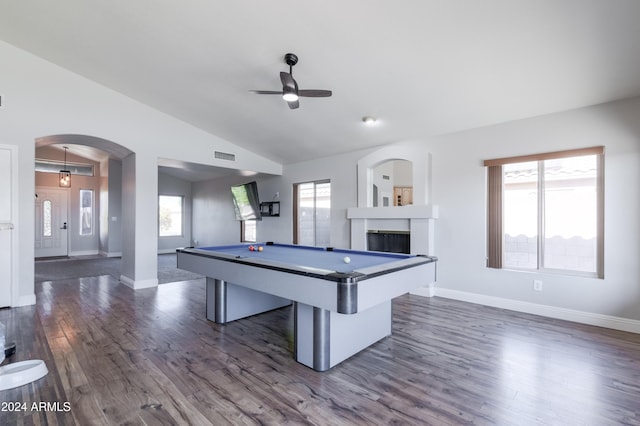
x: 97, y: 215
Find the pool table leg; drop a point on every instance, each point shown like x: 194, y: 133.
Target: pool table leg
x: 325, y: 338
x: 228, y: 302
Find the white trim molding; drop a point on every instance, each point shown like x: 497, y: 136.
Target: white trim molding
x: 111, y: 254
x: 84, y: 253
x: 166, y: 251
x: 428, y: 290
x: 27, y: 300
x: 590, y: 318
x: 139, y: 284
x: 10, y: 218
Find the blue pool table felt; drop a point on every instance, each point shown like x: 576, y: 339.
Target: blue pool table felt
x: 312, y: 257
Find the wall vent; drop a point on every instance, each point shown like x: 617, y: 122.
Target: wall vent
x: 386, y: 177
x: 224, y: 156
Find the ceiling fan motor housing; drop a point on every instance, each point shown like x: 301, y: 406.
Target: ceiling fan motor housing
x: 291, y: 59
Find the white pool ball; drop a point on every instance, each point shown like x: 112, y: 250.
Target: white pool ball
x: 347, y: 259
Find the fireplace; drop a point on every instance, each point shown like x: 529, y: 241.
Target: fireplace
x: 387, y: 225
x: 389, y: 241
x: 415, y: 222
x: 411, y: 223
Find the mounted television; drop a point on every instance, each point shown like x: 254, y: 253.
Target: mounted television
x: 246, y: 201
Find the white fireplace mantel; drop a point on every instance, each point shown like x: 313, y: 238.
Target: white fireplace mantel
x: 417, y: 219
x: 402, y: 212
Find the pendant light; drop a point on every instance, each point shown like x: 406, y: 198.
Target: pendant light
x: 65, y: 175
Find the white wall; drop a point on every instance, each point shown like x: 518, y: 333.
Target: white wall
x: 402, y: 173
x: 111, y: 208
x: 42, y: 99
x: 459, y: 190
x: 385, y: 186
x: 214, y: 220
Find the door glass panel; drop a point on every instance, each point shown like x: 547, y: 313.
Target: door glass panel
x: 46, y: 219
x: 306, y: 207
x: 323, y: 214
x: 314, y: 213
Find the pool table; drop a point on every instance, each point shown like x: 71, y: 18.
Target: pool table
x: 341, y: 306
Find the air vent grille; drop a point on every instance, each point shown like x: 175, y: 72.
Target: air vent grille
x: 224, y: 156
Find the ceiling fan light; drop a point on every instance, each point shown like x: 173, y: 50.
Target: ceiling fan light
x: 290, y: 96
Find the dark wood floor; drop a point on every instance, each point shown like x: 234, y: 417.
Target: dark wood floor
x: 118, y: 357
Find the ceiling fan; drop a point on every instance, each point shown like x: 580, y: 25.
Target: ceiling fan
x: 290, y: 91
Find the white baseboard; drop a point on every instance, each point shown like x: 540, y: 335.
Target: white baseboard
x: 25, y: 301
x: 84, y: 253
x: 111, y: 254
x: 139, y: 284
x: 428, y: 290
x: 166, y: 251
x: 607, y: 321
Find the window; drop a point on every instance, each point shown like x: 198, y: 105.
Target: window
x: 312, y: 222
x: 86, y: 212
x: 46, y: 219
x: 170, y: 208
x: 545, y: 212
x: 248, y: 231
x: 52, y: 166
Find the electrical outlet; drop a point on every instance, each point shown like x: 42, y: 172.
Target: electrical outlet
x: 537, y: 285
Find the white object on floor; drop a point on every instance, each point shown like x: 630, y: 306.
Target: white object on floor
x: 21, y: 373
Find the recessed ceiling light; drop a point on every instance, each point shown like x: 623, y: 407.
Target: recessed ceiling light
x: 369, y: 121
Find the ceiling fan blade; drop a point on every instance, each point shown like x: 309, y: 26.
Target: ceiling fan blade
x: 288, y: 81
x: 266, y: 92
x: 315, y: 93
x: 293, y: 104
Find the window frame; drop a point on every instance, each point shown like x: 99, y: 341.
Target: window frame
x: 182, y: 211
x: 54, y: 166
x: 495, y: 205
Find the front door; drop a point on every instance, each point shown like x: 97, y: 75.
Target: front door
x: 52, y: 222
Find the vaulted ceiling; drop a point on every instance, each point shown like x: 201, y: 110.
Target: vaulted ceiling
x: 422, y: 67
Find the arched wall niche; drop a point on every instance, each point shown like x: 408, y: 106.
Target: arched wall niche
x: 392, y: 183
x: 421, y: 172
